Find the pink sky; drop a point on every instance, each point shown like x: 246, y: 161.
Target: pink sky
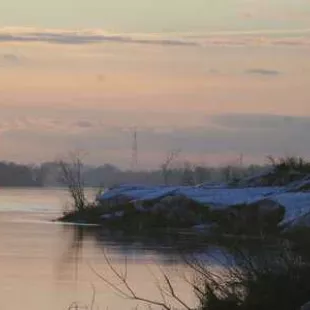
x: 89, y: 95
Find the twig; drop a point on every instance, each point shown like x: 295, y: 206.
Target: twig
x: 129, y: 293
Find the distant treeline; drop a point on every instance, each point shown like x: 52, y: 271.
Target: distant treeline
x: 48, y: 174
x: 15, y: 175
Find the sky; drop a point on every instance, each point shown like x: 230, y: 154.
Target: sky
x: 213, y: 79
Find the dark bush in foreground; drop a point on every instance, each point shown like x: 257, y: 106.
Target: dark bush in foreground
x: 280, y: 281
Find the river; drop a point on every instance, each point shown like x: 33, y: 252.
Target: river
x: 50, y: 266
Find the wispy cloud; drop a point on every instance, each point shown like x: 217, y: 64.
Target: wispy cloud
x: 9, y: 59
x: 261, y: 122
x: 295, y: 37
x: 84, y: 37
x: 84, y: 124
x: 260, y: 71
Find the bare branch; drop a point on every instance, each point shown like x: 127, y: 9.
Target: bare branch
x: 159, y: 287
x: 173, y: 293
x: 93, y: 297
x: 166, y: 165
x: 72, y: 176
x: 129, y: 293
x: 120, y: 292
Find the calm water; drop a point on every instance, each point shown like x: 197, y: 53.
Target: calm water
x: 45, y: 265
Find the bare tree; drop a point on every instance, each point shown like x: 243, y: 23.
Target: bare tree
x: 166, y: 165
x: 227, y: 172
x: 202, y: 174
x: 71, y: 171
x: 188, y: 175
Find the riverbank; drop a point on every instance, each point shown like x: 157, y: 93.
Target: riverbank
x: 227, y: 210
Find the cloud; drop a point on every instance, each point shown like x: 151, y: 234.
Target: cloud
x: 84, y: 124
x: 286, y: 37
x: 259, y: 71
x: 261, y: 122
x: 10, y: 59
x: 85, y: 37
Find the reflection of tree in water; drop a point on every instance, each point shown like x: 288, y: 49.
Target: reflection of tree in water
x: 171, y: 248
x: 160, y: 248
x: 72, y: 255
x: 163, y: 246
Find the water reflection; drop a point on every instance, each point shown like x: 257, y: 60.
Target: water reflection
x: 72, y: 255
x: 89, y: 249
x: 48, y: 264
x: 161, y: 248
x: 84, y: 245
x: 91, y: 246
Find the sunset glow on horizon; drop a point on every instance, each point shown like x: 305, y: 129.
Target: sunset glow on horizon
x: 212, y: 79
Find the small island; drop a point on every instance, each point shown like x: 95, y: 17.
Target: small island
x: 266, y: 204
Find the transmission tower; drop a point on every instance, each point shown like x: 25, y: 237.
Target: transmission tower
x: 241, y: 159
x: 134, y: 155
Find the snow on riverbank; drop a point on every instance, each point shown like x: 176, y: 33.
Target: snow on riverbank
x: 296, y: 204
